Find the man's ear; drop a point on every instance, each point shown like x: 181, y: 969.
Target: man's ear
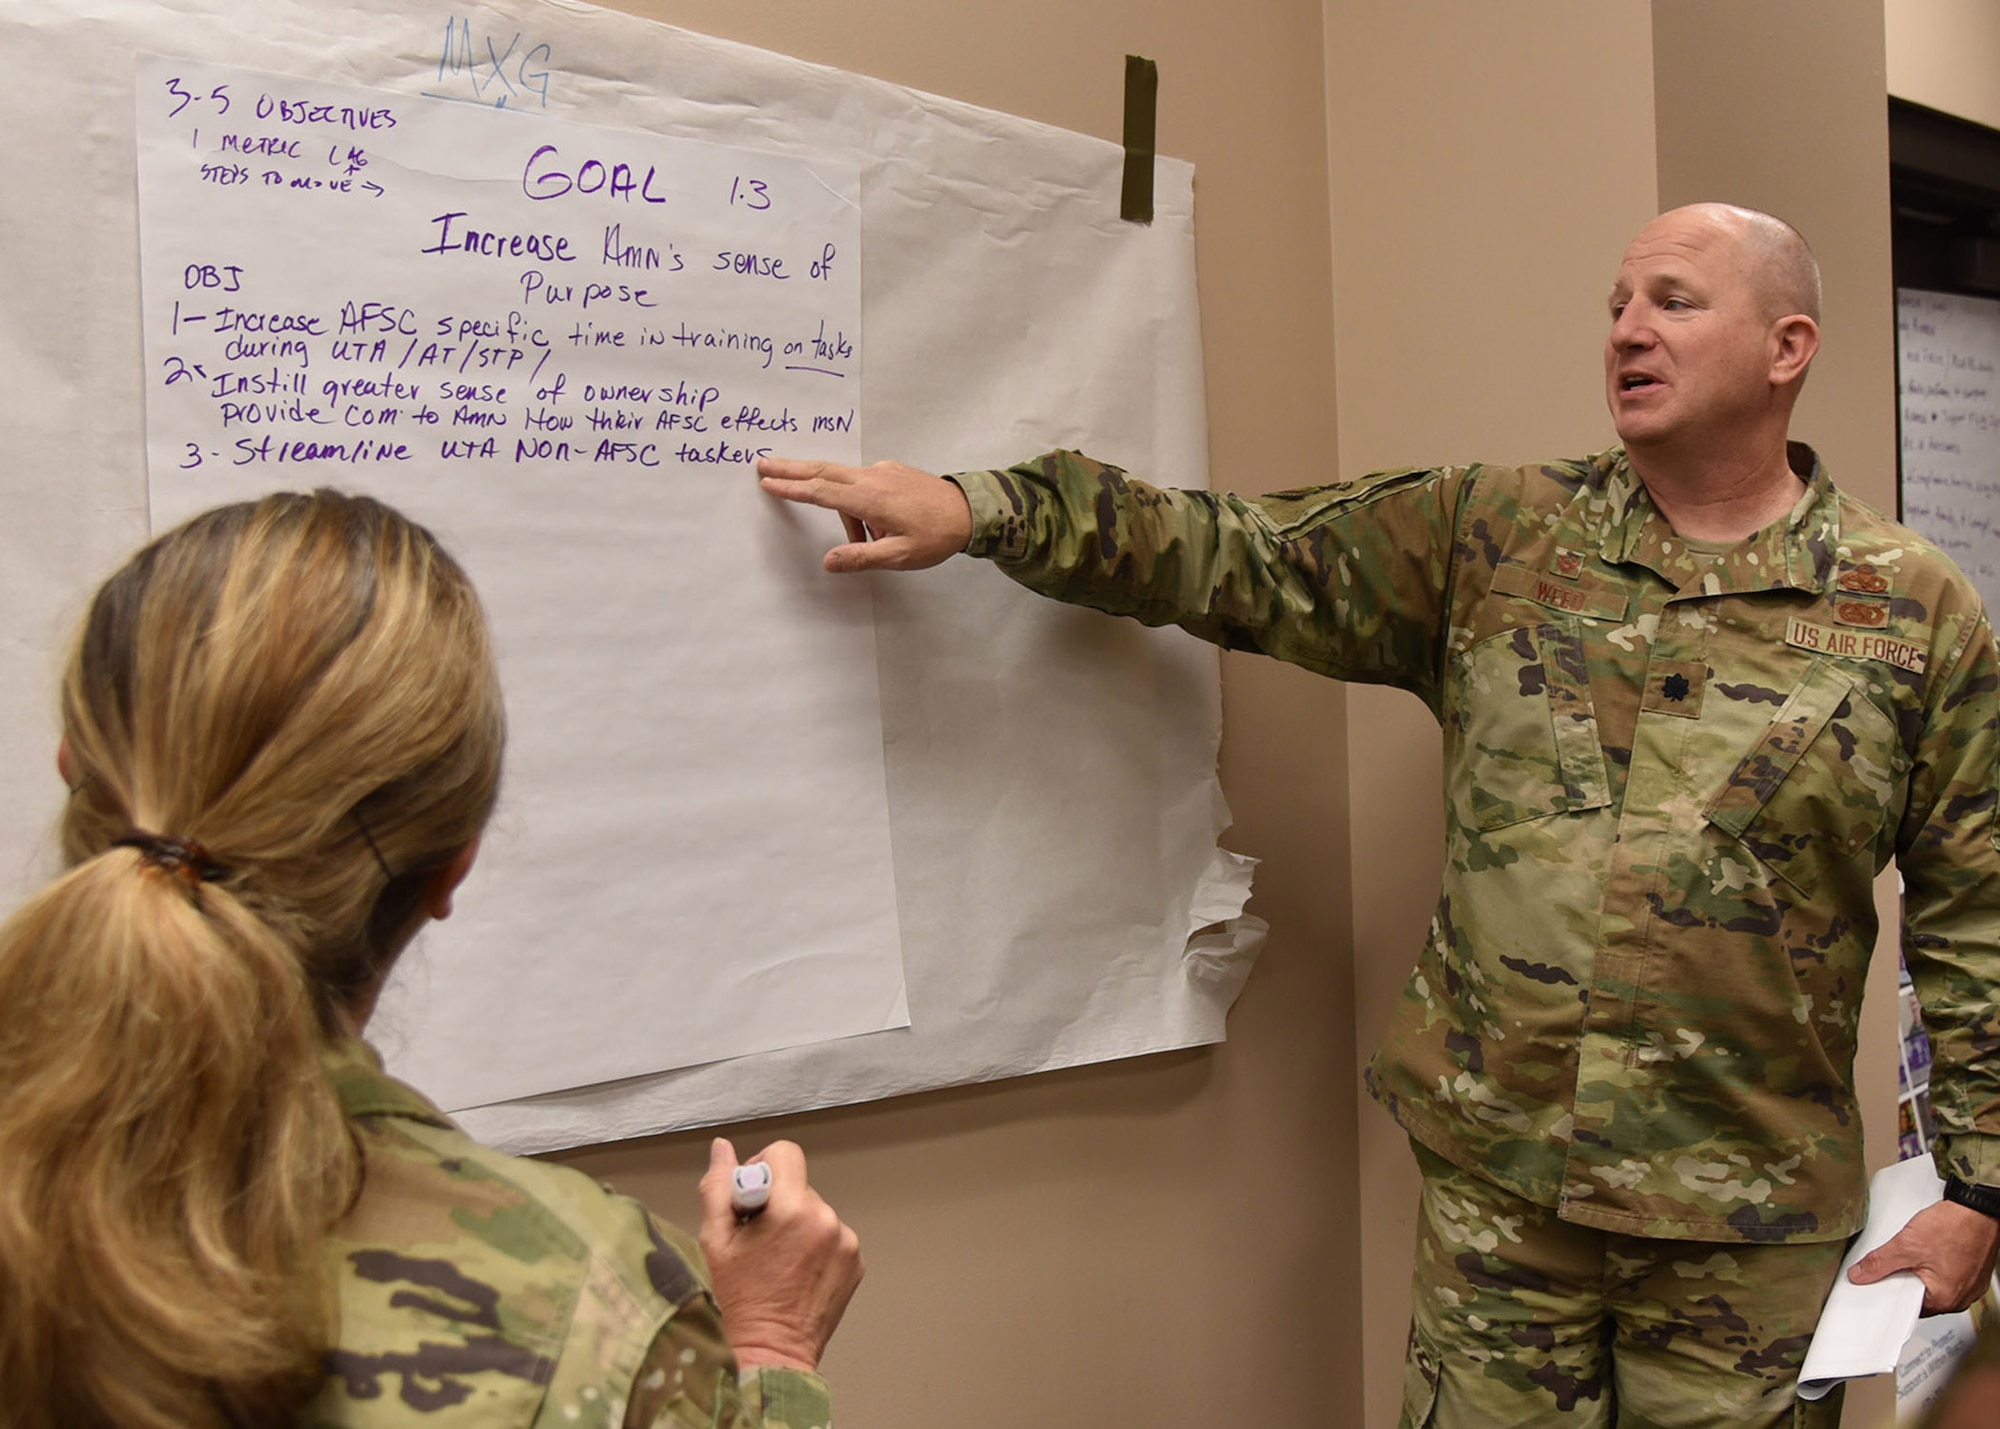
x: 1794, y: 344
x: 444, y: 883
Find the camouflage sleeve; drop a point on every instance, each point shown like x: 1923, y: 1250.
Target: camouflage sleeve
x: 788, y: 1398
x: 1346, y: 580
x: 1949, y: 852
x: 689, y: 1378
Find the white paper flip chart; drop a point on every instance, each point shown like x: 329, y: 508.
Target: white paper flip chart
x: 1053, y: 808
x: 563, y: 346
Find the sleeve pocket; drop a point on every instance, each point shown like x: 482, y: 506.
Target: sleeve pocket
x: 1528, y: 742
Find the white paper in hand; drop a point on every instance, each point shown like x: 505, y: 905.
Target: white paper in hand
x: 1863, y: 1327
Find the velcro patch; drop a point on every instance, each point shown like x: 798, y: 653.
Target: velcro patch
x: 1868, y: 612
x: 1582, y: 598
x: 1674, y: 687
x: 1857, y: 644
x: 1863, y: 580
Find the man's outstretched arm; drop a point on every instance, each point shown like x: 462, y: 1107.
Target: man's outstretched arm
x: 897, y: 518
x: 1346, y: 580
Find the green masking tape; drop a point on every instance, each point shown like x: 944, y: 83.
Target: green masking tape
x: 1142, y: 102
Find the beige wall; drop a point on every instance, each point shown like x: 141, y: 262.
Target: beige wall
x: 1946, y: 54
x: 1809, y: 140
x: 1223, y: 1236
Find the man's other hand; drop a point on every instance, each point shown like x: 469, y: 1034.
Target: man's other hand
x: 897, y: 518
x: 1950, y: 1247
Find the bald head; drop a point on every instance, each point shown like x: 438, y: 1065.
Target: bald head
x: 1713, y: 327
x: 1775, y: 256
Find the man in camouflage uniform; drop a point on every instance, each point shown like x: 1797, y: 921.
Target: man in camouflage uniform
x: 1693, y: 699
x: 482, y: 1289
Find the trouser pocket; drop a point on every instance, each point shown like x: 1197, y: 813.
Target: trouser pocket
x: 1420, y: 1382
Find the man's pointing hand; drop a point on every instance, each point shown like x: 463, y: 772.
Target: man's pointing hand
x: 897, y: 518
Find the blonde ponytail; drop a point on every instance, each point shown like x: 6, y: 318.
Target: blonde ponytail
x: 282, y: 720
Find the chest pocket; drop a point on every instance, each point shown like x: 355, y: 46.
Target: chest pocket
x: 1821, y: 783
x: 1528, y: 744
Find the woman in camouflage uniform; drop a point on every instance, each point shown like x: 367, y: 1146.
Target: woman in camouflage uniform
x: 282, y: 735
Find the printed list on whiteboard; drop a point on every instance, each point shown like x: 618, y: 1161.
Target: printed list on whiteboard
x: 562, y: 347
x: 1947, y: 354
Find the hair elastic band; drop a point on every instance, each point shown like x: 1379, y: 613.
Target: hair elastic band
x: 183, y: 858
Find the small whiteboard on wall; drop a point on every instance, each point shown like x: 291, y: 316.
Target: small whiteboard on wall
x: 1947, y: 358
x: 1051, y: 877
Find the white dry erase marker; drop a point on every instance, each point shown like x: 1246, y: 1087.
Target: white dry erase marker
x: 752, y: 1189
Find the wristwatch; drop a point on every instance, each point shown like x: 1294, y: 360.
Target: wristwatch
x: 1984, y: 1199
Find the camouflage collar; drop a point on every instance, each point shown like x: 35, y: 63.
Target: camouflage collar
x: 365, y: 1089
x: 1613, y: 513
